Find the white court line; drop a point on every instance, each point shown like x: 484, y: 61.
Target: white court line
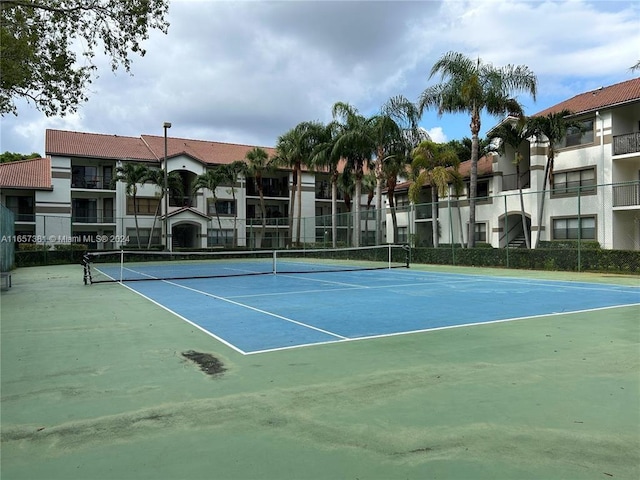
x: 211, y: 334
x: 478, y: 277
x: 249, y: 307
x: 217, y: 297
x: 447, y: 327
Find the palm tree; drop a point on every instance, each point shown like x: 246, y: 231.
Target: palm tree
x: 370, y: 187
x: 231, y: 172
x: 513, y: 135
x: 258, y: 164
x: 396, y: 133
x: 294, y: 149
x: 551, y: 128
x: 434, y: 162
x: 211, y: 180
x: 473, y: 86
x: 355, y: 143
x: 323, y: 157
x: 346, y: 184
x: 132, y: 174
x: 174, y: 182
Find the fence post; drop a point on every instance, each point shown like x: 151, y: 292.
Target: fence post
x: 506, y: 228
x: 579, y: 229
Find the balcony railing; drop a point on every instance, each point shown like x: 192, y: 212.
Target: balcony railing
x: 185, y: 201
x: 92, y: 182
x: 627, y: 195
x: 271, y: 221
x: 92, y: 216
x: 23, y: 217
x: 424, y: 211
x: 629, y: 143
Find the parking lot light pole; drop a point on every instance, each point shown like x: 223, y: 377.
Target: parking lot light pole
x: 167, y: 242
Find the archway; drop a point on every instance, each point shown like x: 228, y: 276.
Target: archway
x: 185, y: 235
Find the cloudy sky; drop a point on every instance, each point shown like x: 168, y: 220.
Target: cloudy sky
x: 246, y: 72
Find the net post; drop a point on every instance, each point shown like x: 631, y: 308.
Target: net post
x: 121, y: 264
x: 389, y: 266
x: 275, y: 263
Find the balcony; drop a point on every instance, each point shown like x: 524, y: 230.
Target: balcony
x: 92, y: 182
x: 271, y: 187
x: 92, y: 216
x: 624, y: 144
x: 626, y: 195
x: 20, y: 216
x: 424, y: 211
x: 184, y: 201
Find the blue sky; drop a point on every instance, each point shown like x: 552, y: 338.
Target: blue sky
x: 246, y: 72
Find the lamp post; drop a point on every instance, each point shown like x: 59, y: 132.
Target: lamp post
x: 167, y: 242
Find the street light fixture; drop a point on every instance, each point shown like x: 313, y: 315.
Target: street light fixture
x: 167, y: 242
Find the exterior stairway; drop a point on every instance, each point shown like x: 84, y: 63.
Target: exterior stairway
x: 517, y: 242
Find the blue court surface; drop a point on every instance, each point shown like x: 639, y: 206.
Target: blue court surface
x: 271, y: 312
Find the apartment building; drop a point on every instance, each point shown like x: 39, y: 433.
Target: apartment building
x: 71, y: 196
x: 594, y: 194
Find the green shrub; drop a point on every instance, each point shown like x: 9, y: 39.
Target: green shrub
x: 562, y: 258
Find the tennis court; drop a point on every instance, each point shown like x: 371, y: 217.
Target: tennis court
x: 98, y: 382
x: 342, y: 299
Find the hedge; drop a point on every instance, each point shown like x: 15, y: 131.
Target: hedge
x: 550, y: 258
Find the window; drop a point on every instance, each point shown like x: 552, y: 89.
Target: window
x: 146, y: 205
x: 22, y: 207
x: 84, y: 177
x: 579, y: 136
x: 403, y: 235
x: 368, y: 238
x: 482, y: 189
x: 574, y: 228
x: 217, y: 237
x: 480, y: 233
x: 574, y: 182
x: 144, y: 236
x: 223, y: 207
x: 85, y: 210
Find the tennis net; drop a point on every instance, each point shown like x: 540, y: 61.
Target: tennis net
x: 128, y: 266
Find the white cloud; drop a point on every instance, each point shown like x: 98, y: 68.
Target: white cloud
x: 437, y: 135
x: 248, y: 71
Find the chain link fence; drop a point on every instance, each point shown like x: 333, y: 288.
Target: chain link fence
x: 573, y: 227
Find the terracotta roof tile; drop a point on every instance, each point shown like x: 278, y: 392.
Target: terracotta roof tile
x: 205, y: 151
x: 93, y: 145
x: 144, y: 148
x: 603, y: 97
x: 33, y: 174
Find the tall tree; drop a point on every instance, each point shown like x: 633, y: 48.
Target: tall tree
x: 463, y: 147
x: 294, y: 149
x: 211, y: 180
x: 434, y: 161
x: 15, y: 157
x: 325, y: 158
x: 156, y: 178
x: 471, y: 86
x: 355, y: 143
x: 231, y: 173
x: 132, y: 175
x: 39, y: 40
x: 396, y: 134
x: 551, y: 128
x: 513, y: 134
x: 258, y: 164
